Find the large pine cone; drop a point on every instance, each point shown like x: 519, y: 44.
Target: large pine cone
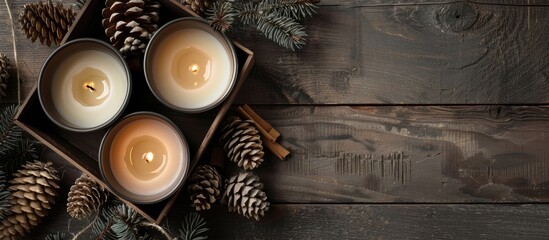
x: 85, y: 197
x: 4, y: 73
x: 45, y: 21
x: 204, y: 187
x: 242, y: 143
x: 244, y: 194
x: 198, y: 6
x: 129, y: 24
x: 33, y: 189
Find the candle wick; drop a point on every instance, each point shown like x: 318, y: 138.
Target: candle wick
x: 92, y: 89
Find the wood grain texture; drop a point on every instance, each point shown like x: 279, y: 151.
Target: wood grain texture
x: 385, y: 222
x: 453, y: 53
x: 408, y: 154
x: 337, y: 221
x: 30, y: 55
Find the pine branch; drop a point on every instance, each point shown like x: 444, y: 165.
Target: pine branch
x: 282, y: 30
x: 117, y: 222
x: 296, y: 9
x: 247, y: 12
x: 23, y: 152
x: 193, y: 228
x: 276, y: 19
x: 56, y: 236
x: 5, y: 197
x: 221, y: 16
x: 9, y: 132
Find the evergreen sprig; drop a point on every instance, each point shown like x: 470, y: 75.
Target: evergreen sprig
x: 275, y: 19
x: 117, y: 222
x: 296, y: 9
x: 193, y: 228
x: 22, y: 153
x: 15, y: 148
x: 282, y: 30
x: 5, y: 197
x: 56, y: 236
x: 10, y: 133
x: 222, y: 15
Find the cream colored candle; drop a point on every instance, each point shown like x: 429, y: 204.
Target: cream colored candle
x: 191, y: 69
x: 147, y: 157
x: 89, y: 88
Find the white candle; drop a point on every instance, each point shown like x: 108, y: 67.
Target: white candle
x: 191, y: 68
x: 147, y: 157
x: 89, y: 88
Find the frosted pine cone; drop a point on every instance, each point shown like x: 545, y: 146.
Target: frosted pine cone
x: 242, y: 143
x: 244, y: 195
x: 204, y: 187
x: 129, y: 24
x: 85, y: 197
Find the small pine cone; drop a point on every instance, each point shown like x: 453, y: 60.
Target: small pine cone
x: 45, y: 21
x: 85, y: 197
x: 204, y: 187
x: 33, y: 190
x: 129, y: 24
x: 4, y: 74
x: 198, y: 6
x: 244, y: 194
x: 242, y: 143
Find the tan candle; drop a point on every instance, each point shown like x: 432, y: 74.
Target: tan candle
x: 147, y: 156
x: 189, y: 66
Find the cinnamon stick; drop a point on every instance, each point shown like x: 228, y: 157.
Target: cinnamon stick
x: 278, y: 150
x: 255, y: 121
x: 266, y: 125
x: 268, y: 137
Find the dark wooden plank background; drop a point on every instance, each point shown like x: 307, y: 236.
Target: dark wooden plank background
x: 405, y: 119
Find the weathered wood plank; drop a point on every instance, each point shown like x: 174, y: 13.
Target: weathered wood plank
x: 459, y: 53
x: 408, y: 154
x: 385, y: 222
x: 361, y: 221
x: 31, y: 55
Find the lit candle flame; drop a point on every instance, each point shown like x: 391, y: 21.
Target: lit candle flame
x: 89, y: 86
x: 149, y: 156
x: 194, y: 69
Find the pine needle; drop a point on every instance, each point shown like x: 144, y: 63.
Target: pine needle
x: 56, y: 236
x: 5, y: 197
x: 221, y: 16
x: 276, y: 19
x: 9, y: 132
x: 193, y: 228
x: 117, y: 222
x: 296, y: 9
x: 282, y: 30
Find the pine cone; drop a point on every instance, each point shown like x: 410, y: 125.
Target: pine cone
x: 129, y: 24
x: 198, y: 6
x: 242, y: 143
x: 4, y: 73
x: 244, y: 194
x: 204, y: 187
x: 85, y: 197
x: 45, y: 21
x: 33, y: 189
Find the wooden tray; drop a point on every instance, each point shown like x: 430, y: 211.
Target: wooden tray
x: 81, y: 149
